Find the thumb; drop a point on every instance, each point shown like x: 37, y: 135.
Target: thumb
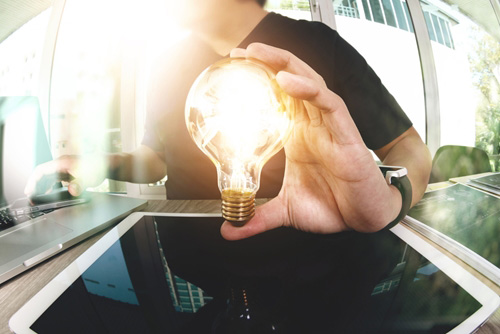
x: 74, y: 188
x: 267, y: 217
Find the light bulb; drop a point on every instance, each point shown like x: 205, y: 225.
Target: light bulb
x: 239, y: 117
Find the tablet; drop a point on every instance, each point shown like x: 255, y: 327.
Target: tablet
x: 173, y: 273
x: 463, y: 220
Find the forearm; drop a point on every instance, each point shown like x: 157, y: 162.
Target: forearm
x: 140, y: 166
x: 412, y: 153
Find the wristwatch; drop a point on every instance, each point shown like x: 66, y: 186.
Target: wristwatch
x: 398, y: 177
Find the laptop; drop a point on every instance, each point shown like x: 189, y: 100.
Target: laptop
x: 31, y: 233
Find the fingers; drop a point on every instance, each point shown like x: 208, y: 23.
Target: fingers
x: 238, y: 52
x: 299, y: 80
x: 296, y: 78
x: 294, y: 75
x: 42, y: 179
x: 45, y: 176
x: 305, y: 89
x: 324, y: 108
x: 267, y: 217
x: 75, y: 189
x: 279, y: 59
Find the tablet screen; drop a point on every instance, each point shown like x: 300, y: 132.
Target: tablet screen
x: 177, y: 275
x: 467, y: 215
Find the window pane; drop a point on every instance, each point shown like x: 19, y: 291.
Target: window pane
x: 296, y: 9
x: 368, y: 14
x: 408, y: 19
x: 377, y: 11
x: 346, y: 8
x: 430, y: 27
x: 400, y: 14
x: 389, y: 13
x: 445, y: 33
x: 469, y: 89
x: 437, y: 29
x: 393, y: 54
x: 448, y: 29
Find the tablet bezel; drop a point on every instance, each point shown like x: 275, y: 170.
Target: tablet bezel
x: 24, y: 318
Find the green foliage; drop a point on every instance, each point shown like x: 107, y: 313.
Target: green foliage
x: 484, y: 62
x: 289, y: 4
x: 485, y: 67
x: 286, y: 4
x: 303, y: 4
x: 488, y: 132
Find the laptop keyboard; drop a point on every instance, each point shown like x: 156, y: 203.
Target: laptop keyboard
x: 7, y: 219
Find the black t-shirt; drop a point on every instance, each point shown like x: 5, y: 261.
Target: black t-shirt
x: 191, y: 175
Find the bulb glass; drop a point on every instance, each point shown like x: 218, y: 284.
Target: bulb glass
x: 239, y: 117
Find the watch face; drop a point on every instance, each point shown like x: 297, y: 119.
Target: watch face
x: 391, y: 172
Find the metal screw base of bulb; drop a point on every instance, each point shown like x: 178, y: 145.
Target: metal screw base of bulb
x: 238, y: 206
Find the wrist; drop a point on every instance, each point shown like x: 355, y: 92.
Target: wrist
x: 396, y: 203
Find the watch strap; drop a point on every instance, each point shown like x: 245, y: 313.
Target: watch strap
x: 400, y: 180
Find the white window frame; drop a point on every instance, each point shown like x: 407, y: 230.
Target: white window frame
x: 47, y: 62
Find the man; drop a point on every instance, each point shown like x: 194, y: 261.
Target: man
x: 331, y: 182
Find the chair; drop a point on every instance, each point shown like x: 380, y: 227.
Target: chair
x: 454, y: 161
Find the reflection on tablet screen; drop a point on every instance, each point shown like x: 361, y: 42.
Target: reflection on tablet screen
x: 177, y: 275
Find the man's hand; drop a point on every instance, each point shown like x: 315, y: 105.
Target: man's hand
x: 331, y: 181
x: 76, y: 172
x: 80, y: 172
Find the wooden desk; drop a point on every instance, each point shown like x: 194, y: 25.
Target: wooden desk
x: 15, y: 292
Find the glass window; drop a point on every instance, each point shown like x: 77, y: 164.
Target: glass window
x: 400, y: 15
x: 366, y: 8
x: 448, y: 32
x: 446, y: 37
x: 467, y: 75
x: 437, y: 29
x: 430, y: 27
x: 376, y: 9
x: 407, y: 13
x: 389, y: 13
x: 393, y: 54
x: 346, y: 8
x: 296, y: 9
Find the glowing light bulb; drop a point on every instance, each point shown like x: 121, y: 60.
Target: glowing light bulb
x: 239, y: 117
